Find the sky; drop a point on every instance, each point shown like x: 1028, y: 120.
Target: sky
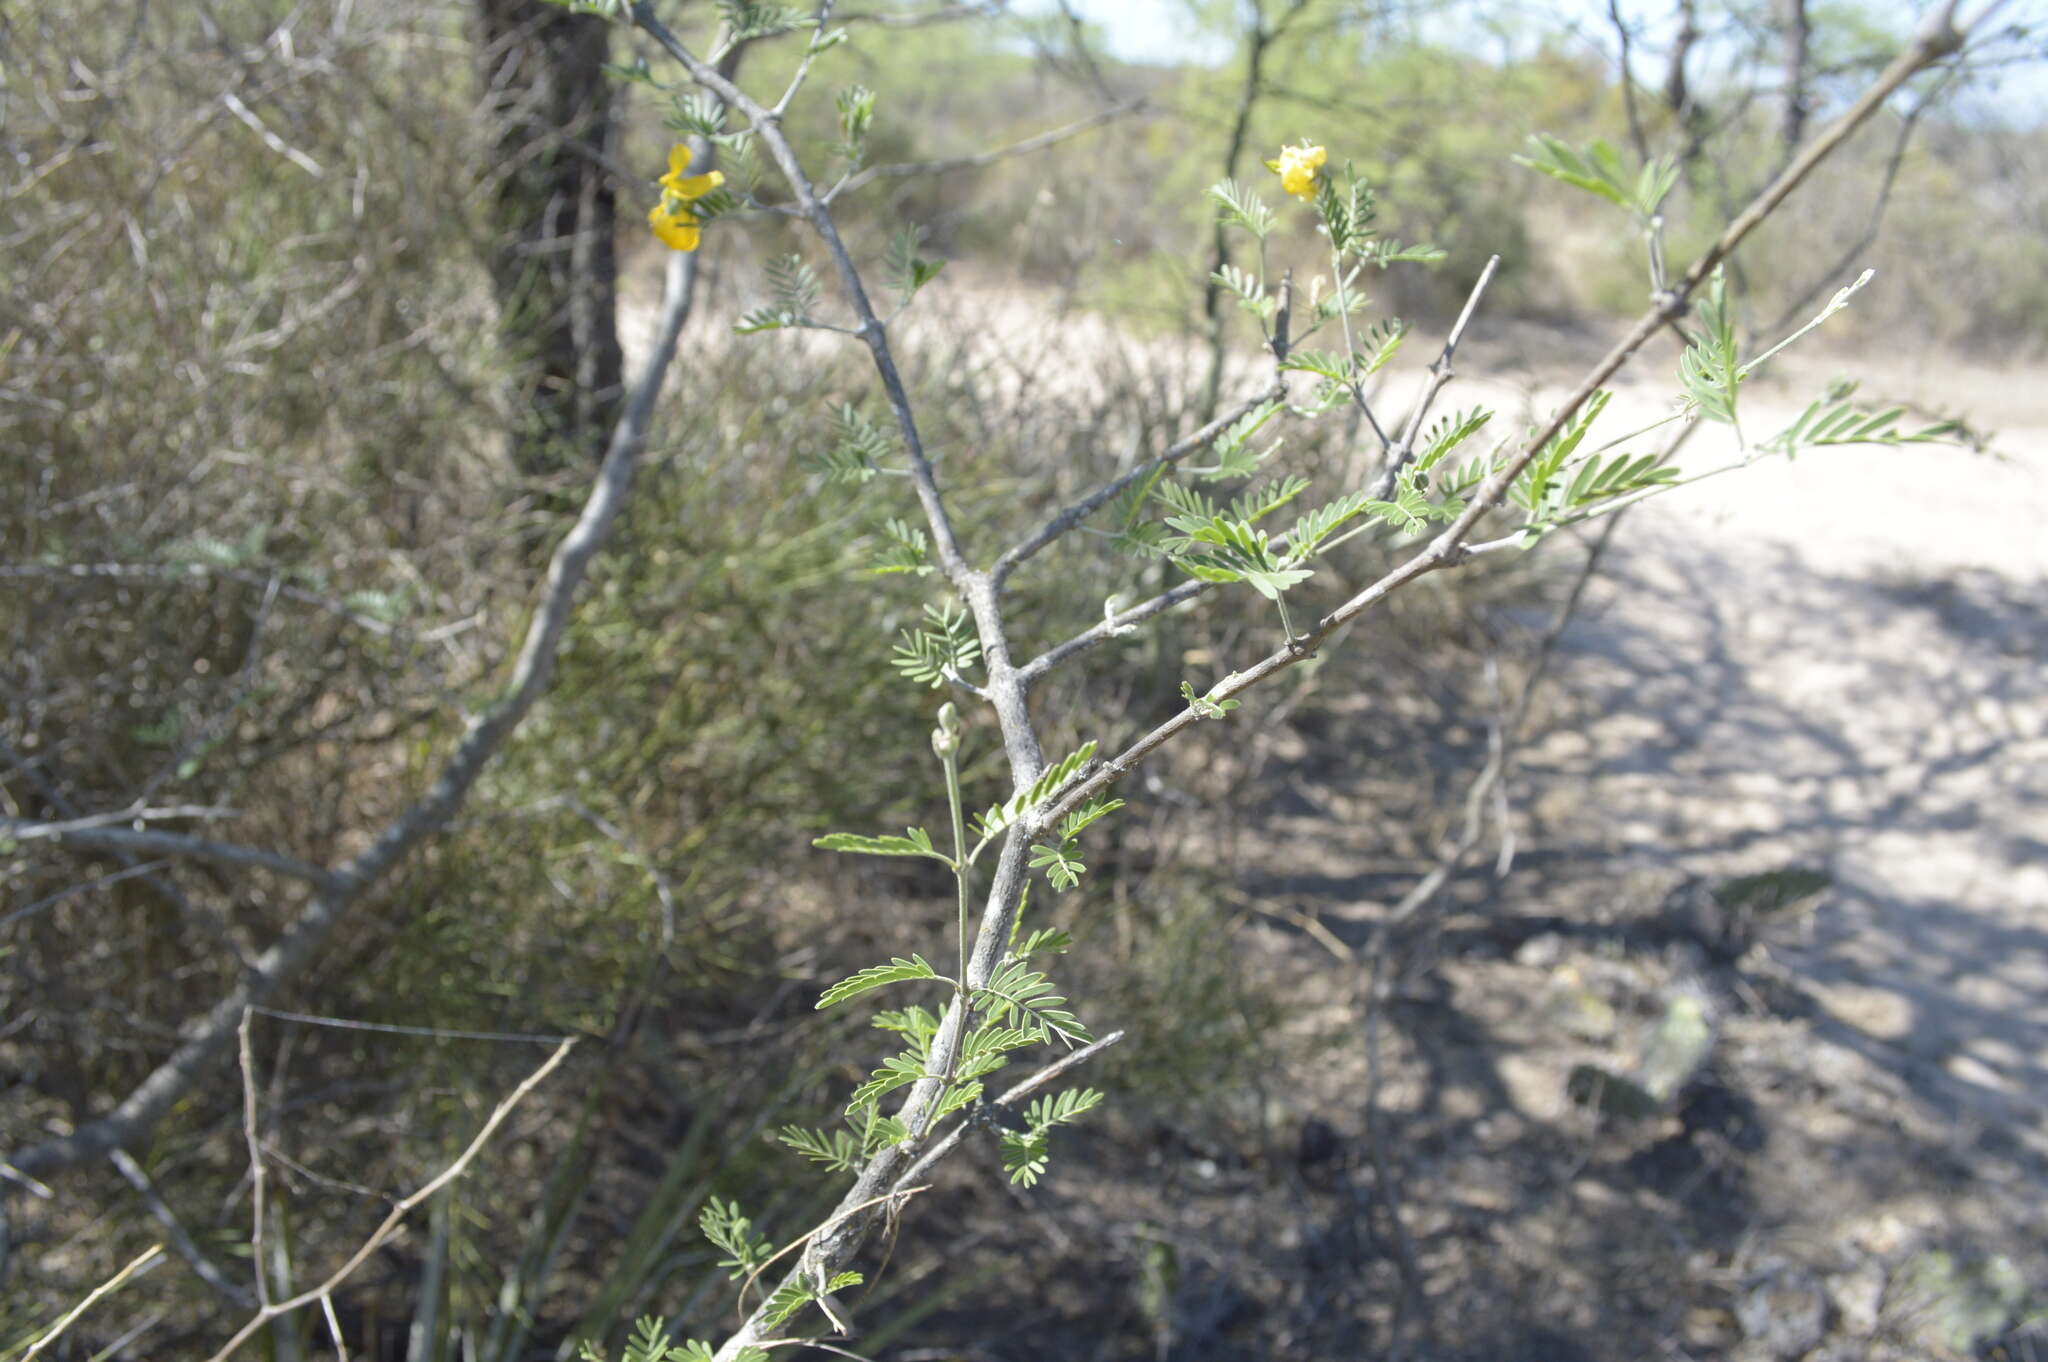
x: 1160, y: 31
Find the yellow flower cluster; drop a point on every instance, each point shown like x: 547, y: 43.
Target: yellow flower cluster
x: 1297, y: 168
x: 672, y: 219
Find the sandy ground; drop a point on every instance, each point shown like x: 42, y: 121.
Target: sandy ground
x: 1839, y: 662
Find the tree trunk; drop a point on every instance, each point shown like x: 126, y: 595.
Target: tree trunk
x: 553, y: 266
x: 1798, y: 27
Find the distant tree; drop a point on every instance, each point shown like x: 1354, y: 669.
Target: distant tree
x: 552, y: 114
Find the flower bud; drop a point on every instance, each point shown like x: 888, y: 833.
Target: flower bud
x: 946, y: 737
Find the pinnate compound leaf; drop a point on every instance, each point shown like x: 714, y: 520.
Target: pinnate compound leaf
x: 837, y: 1151
x: 897, y: 1071
x: 1025, y: 1155
x: 734, y: 1234
x: 1241, y: 207
x: 917, y: 843
x: 1020, y: 995
x: 1844, y: 423
x: 897, y: 971
x: 1062, y: 871
x: 1000, y: 816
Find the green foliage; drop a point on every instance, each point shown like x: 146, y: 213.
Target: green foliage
x: 905, y: 270
x: 991, y: 823
x: 896, y: 971
x: 734, y: 1235
x: 1538, y: 488
x: 651, y: 1343
x: 1839, y: 421
x: 1062, y: 869
x: 794, y: 1294
x: 748, y: 19
x: 1447, y: 434
x: 915, y: 842
x: 1250, y: 291
x: 1018, y: 995
x: 1222, y: 549
x: 858, y: 449
x: 856, y: 106
x: 1240, y: 206
x: 1235, y: 457
x: 897, y: 1071
x: 795, y: 288
x: 1025, y: 1152
x: 946, y: 645
x: 1598, y: 170
x: 837, y: 1150
x: 1203, y: 706
x: 1347, y: 213
x: 1710, y: 370
x: 907, y: 549
x: 984, y: 1050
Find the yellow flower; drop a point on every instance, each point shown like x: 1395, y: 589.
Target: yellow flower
x: 678, y: 230
x: 672, y: 219
x: 1297, y: 168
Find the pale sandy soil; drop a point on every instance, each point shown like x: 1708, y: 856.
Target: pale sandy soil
x: 1840, y: 662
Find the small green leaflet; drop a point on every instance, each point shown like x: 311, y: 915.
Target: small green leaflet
x: 699, y: 114
x: 1203, y: 706
x: 1046, y: 1112
x: 1447, y: 434
x: 917, y: 843
x: 795, y: 1294
x: 1598, y: 170
x: 1241, y: 207
x: 1234, y: 551
x: 650, y: 1343
x: 1043, y: 939
x: 1533, y: 487
x: 1234, y: 456
x: 1062, y: 871
x: 913, y: 1021
x: 1348, y: 213
x: 897, y: 1071
x: 958, y: 1096
x: 751, y: 19
x: 856, y: 115
x: 838, y: 1151
x: 1709, y: 370
x: 945, y: 643
x: 1252, y: 506
x: 796, y: 291
x: 897, y: 971
x: 986, y: 1047
x: 1249, y: 290
x: 1597, y: 480
x: 1844, y: 423
x: 1074, y: 823
x: 1017, y: 993
x: 734, y: 1233
x: 1025, y: 1153
x: 905, y: 270
x: 1000, y: 816
x: 883, y: 1132
x: 907, y: 550
x: 1387, y: 252
x: 858, y: 448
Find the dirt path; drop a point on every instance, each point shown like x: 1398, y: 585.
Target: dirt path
x: 1839, y: 662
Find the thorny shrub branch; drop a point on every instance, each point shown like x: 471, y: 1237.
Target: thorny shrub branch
x: 834, y: 1243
